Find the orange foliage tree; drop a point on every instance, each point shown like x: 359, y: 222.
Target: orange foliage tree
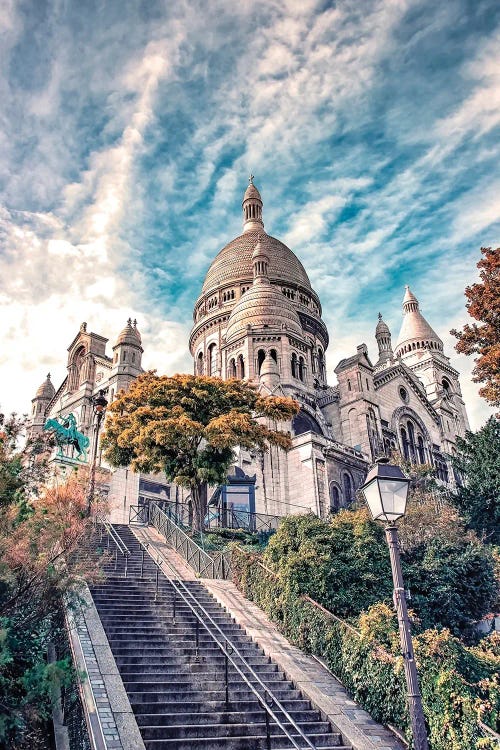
x: 189, y: 426
x: 483, y: 338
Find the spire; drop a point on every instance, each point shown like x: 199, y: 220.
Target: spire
x: 384, y: 341
x: 416, y: 334
x: 252, y: 208
x: 260, y: 263
x: 410, y: 302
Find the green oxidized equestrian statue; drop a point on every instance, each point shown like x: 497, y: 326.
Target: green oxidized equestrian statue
x: 65, y: 432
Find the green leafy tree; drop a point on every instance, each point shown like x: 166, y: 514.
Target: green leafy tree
x: 189, y: 426
x: 343, y: 563
x: 478, y: 461
x: 452, y: 583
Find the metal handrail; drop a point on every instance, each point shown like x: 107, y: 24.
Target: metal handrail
x: 120, y: 545
x: 215, y: 566
x: 228, y: 649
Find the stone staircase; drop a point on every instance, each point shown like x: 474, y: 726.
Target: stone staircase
x: 178, y: 690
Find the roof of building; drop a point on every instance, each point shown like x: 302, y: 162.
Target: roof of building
x: 129, y: 335
x: 382, y: 326
x: 262, y: 305
x: 46, y: 390
x: 234, y: 262
x: 415, y: 328
x: 252, y: 192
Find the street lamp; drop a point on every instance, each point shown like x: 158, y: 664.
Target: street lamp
x: 99, y: 404
x: 386, y: 493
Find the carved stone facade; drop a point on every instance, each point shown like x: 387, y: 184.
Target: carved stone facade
x: 90, y: 370
x: 258, y: 318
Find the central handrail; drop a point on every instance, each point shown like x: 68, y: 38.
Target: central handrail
x: 120, y: 545
x: 228, y: 649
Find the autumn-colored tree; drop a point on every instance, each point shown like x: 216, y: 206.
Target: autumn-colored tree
x: 42, y: 534
x: 189, y: 426
x: 483, y: 339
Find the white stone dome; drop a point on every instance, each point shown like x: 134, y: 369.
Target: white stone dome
x: 234, y: 263
x: 263, y: 305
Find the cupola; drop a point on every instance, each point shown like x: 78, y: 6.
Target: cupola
x: 384, y: 341
x: 252, y: 208
x: 416, y: 334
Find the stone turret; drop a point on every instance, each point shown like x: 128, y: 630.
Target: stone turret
x: 252, y: 208
x: 384, y: 341
x: 416, y: 334
x: 40, y: 402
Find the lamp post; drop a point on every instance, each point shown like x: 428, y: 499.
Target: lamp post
x: 386, y: 492
x: 99, y: 404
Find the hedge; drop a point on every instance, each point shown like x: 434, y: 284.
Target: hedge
x: 458, y: 685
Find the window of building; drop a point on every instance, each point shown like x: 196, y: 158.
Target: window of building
x: 199, y: 364
x: 261, y: 355
x: 232, y: 368
x: 294, y: 364
x: 348, y: 488
x: 302, y: 369
x: 335, y: 501
x: 212, y: 360
x: 403, y: 394
x: 241, y: 367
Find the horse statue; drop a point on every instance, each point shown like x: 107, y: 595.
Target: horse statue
x: 65, y: 433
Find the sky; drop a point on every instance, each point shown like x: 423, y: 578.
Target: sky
x: 128, y: 131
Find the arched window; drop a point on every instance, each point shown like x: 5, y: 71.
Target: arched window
x: 274, y: 355
x: 261, y: 355
x: 232, y: 368
x: 404, y: 441
x: 335, y: 500
x: 348, y: 489
x: 212, y: 360
x: 411, y: 440
x: 349, y: 385
x: 420, y: 450
x: 302, y: 369
x: 294, y: 366
x: 199, y: 364
x: 447, y: 387
x: 321, y: 364
x: 240, y: 367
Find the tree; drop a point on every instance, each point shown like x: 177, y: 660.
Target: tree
x: 484, y: 339
x: 478, y: 461
x: 342, y: 563
x: 42, y: 535
x: 189, y: 426
x: 452, y: 584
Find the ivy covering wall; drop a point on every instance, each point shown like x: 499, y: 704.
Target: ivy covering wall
x: 460, y: 685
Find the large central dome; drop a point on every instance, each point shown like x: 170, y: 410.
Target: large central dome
x: 234, y: 262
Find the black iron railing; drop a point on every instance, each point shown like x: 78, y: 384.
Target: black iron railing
x: 215, y: 565
x: 216, y: 518
x: 232, y: 655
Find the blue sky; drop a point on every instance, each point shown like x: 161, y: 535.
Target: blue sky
x: 128, y: 130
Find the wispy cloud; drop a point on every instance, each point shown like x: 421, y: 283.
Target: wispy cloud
x: 127, y: 132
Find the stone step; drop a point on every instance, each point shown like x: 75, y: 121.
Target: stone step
x: 318, y: 729
x: 221, y: 717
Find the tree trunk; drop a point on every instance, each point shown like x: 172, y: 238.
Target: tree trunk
x: 199, y: 498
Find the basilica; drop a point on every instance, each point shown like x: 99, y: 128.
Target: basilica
x: 258, y: 318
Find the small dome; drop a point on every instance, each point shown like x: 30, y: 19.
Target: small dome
x: 251, y: 193
x: 382, y: 327
x: 46, y: 390
x: 129, y: 335
x: 262, y: 305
